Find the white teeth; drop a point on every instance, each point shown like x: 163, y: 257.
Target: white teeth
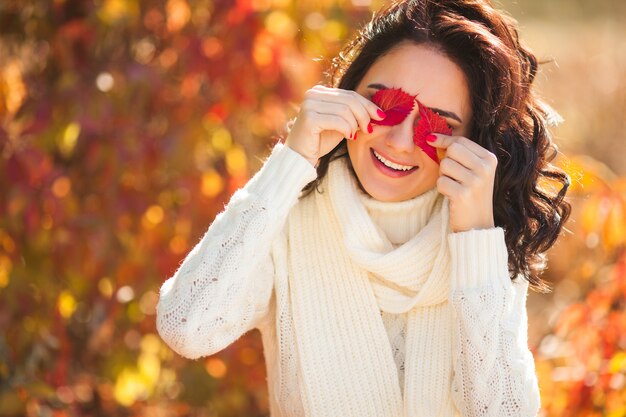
x: 392, y: 164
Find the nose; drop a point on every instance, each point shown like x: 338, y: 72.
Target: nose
x: 400, y: 136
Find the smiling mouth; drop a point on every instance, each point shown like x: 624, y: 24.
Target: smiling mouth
x: 393, y: 165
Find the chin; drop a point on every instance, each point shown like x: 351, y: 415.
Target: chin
x: 386, y: 195
x: 387, y: 198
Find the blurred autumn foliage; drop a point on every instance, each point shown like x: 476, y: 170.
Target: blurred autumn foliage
x: 124, y: 128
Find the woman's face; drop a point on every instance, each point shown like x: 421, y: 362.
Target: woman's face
x: 439, y: 84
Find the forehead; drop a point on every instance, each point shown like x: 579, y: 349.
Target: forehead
x: 425, y: 71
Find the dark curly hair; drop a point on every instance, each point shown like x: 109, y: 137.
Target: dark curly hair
x: 508, y: 118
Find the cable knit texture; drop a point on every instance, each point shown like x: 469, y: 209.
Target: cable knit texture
x: 399, y: 222
x: 366, y: 308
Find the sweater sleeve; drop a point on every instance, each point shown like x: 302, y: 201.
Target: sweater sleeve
x: 223, y: 287
x: 494, y: 371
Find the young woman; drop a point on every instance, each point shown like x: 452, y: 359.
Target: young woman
x: 386, y: 281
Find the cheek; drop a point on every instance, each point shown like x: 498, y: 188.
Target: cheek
x: 351, y: 150
x: 356, y: 150
x: 431, y: 170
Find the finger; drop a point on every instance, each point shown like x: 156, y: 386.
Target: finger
x: 444, y: 141
x: 373, y: 110
x: 440, y: 140
x: 448, y: 186
x: 333, y: 102
x: 362, y: 109
x: 454, y: 170
x: 328, y: 109
x: 330, y: 122
x: 461, y: 154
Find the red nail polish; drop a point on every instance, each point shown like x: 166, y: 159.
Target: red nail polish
x: 370, y: 129
x: 431, y: 138
x: 355, y: 133
x: 381, y: 113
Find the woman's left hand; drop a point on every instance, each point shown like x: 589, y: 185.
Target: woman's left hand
x: 467, y: 175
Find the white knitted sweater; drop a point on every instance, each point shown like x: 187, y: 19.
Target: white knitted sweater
x: 227, y: 285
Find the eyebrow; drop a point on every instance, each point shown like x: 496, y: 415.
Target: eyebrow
x: 441, y: 112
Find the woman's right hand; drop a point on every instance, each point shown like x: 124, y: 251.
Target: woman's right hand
x: 327, y: 115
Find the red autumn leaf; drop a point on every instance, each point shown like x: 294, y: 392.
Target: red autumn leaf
x: 430, y: 122
x: 396, y: 104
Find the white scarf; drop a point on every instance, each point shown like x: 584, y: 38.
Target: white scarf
x: 342, y: 273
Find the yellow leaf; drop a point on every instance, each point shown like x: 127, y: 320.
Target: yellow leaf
x: 236, y: 161
x: 614, y: 230
x: 67, y: 142
x: 262, y: 51
x: 280, y: 24
x: 12, y: 88
x: 586, y: 173
x: 215, y: 367
x: 221, y: 139
x: 333, y: 31
x: 5, y: 269
x: 7, y: 243
x: 66, y: 304
x: 150, y: 343
x: 150, y: 366
x: 106, y: 287
x: 129, y: 387
x: 154, y: 214
x: 212, y: 183
x: 113, y: 11
x: 591, y: 215
x: 178, y: 14
x: 618, y: 412
x: 617, y: 362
